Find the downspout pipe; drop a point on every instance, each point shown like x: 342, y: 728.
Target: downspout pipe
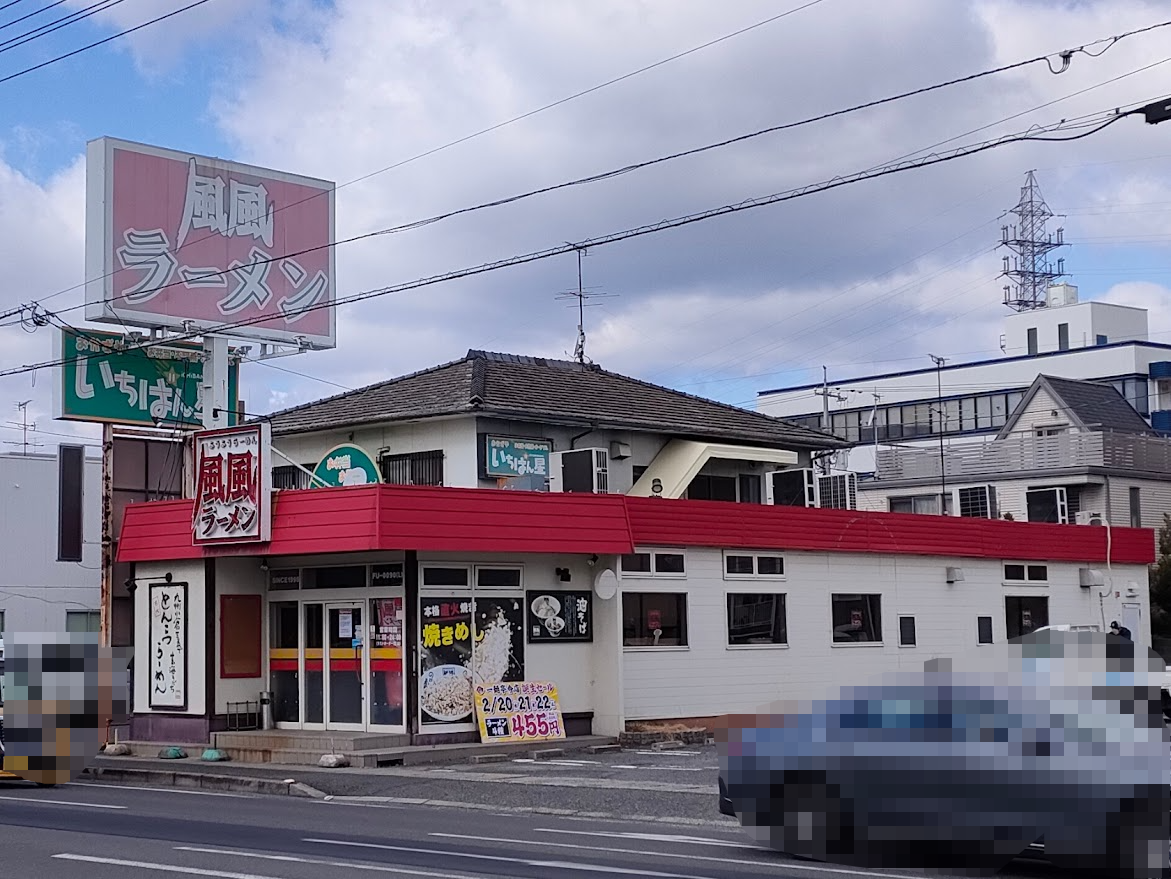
x: 573, y: 440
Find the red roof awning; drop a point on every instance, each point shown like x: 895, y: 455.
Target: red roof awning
x: 391, y: 517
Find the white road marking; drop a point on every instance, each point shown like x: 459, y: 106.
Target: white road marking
x: 61, y: 802
x: 653, y: 837
x: 160, y: 868
x: 165, y: 790
x: 293, y: 859
x: 552, y: 865
x: 670, y: 753
x: 660, y: 854
x: 623, y: 766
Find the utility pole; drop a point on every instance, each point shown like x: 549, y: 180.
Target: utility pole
x: 825, y: 393
x: 939, y: 361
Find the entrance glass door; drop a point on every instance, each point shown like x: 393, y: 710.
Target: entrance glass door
x: 345, y: 672
x: 386, y: 663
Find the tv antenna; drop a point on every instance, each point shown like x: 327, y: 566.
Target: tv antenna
x: 24, y: 428
x: 581, y: 296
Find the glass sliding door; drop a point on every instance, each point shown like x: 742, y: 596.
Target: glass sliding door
x: 345, y: 665
x: 313, y: 628
x: 386, y: 662
x: 284, y: 665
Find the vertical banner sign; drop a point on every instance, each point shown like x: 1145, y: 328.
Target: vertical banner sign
x: 445, y: 658
x: 233, y: 486
x: 102, y: 381
x: 168, y: 646
x: 187, y: 242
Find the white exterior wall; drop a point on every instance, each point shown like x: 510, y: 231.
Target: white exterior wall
x: 1042, y: 411
x: 1086, y: 321
x: 36, y: 590
x: 709, y: 678
x: 240, y: 576
x: 192, y: 574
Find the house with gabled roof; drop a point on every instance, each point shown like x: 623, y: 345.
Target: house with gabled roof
x: 1070, y: 452
x: 501, y: 420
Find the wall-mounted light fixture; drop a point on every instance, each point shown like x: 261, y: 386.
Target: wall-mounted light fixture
x: 264, y: 563
x: 592, y: 560
x: 562, y: 574
x: 955, y: 575
x: 131, y: 583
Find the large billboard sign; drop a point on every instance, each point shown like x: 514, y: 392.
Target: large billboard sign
x: 185, y: 242
x: 100, y: 380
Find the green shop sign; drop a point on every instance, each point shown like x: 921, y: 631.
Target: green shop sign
x: 346, y: 464
x: 507, y: 456
x: 102, y: 381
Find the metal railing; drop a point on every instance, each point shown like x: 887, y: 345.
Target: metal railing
x: 1026, y: 452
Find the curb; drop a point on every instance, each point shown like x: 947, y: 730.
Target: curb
x: 202, y: 781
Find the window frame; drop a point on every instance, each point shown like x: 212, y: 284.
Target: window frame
x: 914, y: 642
x: 755, y: 555
x: 1025, y: 579
x: 91, y: 615
x: 784, y: 596
x: 653, y: 574
x: 991, y: 630
x: 1135, y: 502
x: 686, y: 627
x: 881, y: 631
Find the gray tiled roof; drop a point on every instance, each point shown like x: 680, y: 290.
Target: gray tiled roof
x: 541, y: 390
x: 1097, y: 405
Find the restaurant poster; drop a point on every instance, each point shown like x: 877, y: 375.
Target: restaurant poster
x: 500, y: 641
x: 525, y: 711
x: 559, y: 616
x: 445, y: 659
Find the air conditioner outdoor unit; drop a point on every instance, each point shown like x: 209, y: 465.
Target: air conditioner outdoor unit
x: 584, y: 471
x: 838, y: 491
x: 1090, y: 517
x: 791, y: 488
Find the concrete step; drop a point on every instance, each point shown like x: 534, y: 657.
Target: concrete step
x: 322, y: 742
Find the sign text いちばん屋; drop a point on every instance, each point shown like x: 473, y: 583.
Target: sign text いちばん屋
x: 181, y: 241
x: 507, y: 457
x: 101, y: 381
x: 346, y: 464
x: 233, y: 486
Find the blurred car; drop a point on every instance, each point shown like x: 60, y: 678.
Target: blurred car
x: 1054, y: 746
x: 3, y: 774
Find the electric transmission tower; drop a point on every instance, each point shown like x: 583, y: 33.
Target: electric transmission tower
x: 1029, y: 267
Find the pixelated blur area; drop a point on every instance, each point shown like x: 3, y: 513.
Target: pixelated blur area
x: 1052, y: 745
x: 59, y: 690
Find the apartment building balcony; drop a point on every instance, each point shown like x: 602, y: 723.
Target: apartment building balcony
x: 1025, y: 452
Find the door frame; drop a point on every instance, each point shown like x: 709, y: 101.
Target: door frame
x: 398, y: 594
x: 359, y: 604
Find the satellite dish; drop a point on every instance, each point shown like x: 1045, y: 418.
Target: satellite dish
x: 605, y: 584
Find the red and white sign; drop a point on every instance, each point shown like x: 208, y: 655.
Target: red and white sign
x: 233, y: 486
x: 185, y: 242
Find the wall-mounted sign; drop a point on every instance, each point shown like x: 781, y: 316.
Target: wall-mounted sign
x: 168, y: 646
x: 507, y: 456
x: 387, y: 575
x: 101, y: 381
x: 284, y: 578
x: 189, y: 242
x: 525, y: 711
x: 346, y: 464
x: 233, y: 486
x: 560, y: 616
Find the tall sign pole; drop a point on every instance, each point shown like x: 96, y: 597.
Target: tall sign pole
x: 107, y: 573
x: 215, y: 382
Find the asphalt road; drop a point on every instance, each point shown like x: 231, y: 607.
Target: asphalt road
x: 92, y: 831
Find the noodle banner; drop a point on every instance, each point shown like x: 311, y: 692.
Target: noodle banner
x: 523, y: 711
x: 445, y: 659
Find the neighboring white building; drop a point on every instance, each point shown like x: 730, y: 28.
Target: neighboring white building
x: 1076, y: 340
x: 43, y: 589
x: 1072, y: 450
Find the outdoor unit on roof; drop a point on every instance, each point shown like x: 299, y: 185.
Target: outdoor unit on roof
x: 580, y: 470
x: 1090, y: 517
x: 806, y: 488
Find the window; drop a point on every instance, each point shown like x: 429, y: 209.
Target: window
x: 984, y: 630
x: 978, y: 502
x: 712, y: 488
x: 70, y: 490
x: 417, y: 468
x: 750, y: 492
x: 1033, y: 349
x: 756, y: 620
x: 1024, y: 614
x: 653, y: 563
x: 83, y: 621
x: 440, y: 576
x: 1018, y: 573
x: 793, y: 488
x: 654, y: 619
x: 1101, y: 340
x: 1047, y: 505
x: 498, y: 578
x: 906, y: 631
x: 1063, y: 337
x: 1041, y: 432
x: 927, y: 504
x: 741, y: 565
x: 857, y: 618
x: 291, y: 477
x: 1136, y: 510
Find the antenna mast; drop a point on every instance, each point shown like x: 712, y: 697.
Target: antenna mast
x: 24, y: 428
x: 581, y: 296
x: 1029, y: 268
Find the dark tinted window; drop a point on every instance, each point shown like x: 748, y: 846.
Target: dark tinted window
x: 756, y: 619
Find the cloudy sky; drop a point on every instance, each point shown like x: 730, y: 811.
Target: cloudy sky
x: 868, y: 277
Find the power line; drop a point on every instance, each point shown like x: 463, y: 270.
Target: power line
x: 464, y: 139
x: 1033, y: 134
x: 9, y: 24
x: 10, y: 3
x: 606, y: 175
x: 101, y: 42
x: 46, y: 29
